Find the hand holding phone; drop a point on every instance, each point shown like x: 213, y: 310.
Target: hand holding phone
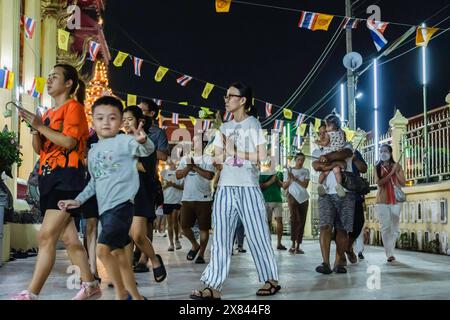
x: 33, y: 120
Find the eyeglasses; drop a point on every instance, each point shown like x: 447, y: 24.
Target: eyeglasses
x: 228, y: 97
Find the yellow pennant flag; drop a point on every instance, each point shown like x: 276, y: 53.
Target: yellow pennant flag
x: 159, y: 114
x: 287, y: 114
x: 40, y: 84
x: 223, y: 5
x: 131, y: 100
x: 317, y: 124
x: 322, y: 22
x: 10, y: 83
x: 183, y: 103
x: 120, y: 58
x: 349, y: 134
x: 63, y: 39
x: 253, y: 101
x: 423, y: 35
x: 160, y: 73
x: 123, y: 103
x: 302, y: 129
x: 182, y: 126
x: 205, y: 112
x: 207, y: 90
x: 193, y: 120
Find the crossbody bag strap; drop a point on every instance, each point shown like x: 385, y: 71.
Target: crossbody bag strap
x: 392, y: 182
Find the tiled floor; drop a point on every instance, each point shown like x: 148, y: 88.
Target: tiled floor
x: 413, y: 276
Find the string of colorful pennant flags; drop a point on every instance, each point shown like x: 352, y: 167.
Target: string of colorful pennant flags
x: 321, y: 21
x: 309, y: 20
x: 300, y: 124
x: 183, y: 79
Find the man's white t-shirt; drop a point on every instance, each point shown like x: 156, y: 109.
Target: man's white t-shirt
x: 171, y: 194
x: 330, y: 182
x: 197, y: 188
x: 296, y: 190
x: 247, y: 135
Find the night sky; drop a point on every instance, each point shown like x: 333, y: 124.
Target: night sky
x: 264, y: 48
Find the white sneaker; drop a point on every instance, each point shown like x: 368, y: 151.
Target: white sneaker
x: 321, y: 190
x: 340, y: 191
x: 177, y: 244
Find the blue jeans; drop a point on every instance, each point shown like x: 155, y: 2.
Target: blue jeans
x: 239, y: 236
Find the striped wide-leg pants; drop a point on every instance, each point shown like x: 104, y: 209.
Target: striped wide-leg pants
x: 248, y: 204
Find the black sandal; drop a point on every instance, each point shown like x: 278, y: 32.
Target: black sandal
x: 340, y: 269
x: 324, y: 268
x: 160, y: 273
x: 200, y: 295
x: 200, y: 260
x: 192, y: 254
x: 140, y: 268
x: 268, y: 291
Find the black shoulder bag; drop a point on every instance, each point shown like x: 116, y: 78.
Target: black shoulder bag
x: 355, y: 183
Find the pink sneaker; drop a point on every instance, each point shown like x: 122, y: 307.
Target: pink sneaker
x: 24, y: 295
x: 86, y: 294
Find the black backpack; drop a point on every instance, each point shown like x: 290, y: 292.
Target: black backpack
x: 355, y: 183
x: 33, y: 187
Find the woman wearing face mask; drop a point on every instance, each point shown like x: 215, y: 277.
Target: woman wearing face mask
x: 387, y: 174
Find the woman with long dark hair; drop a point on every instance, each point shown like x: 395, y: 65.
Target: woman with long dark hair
x: 144, y: 202
x: 388, y: 174
x: 59, y: 137
x: 239, y: 145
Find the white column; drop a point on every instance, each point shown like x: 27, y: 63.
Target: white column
x: 359, y: 139
x: 9, y: 58
x: 30, y: 70
x: 398, y: 128
x: 307, y: 149
x: 49, y: 31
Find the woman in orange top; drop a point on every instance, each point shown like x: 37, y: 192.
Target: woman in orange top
x: 387, y: 174
x: 60, y: 140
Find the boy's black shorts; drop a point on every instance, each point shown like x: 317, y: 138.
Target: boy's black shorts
x: 116, y: 224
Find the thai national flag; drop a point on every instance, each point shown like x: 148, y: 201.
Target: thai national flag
x: 29, y: 26
x: 33, y: 92
x: 228, y: 116
x: 295, y: 142
x: 4, y: 78
x: 278, y: 125
x: 137, y: 62
x: 94, y: 48
x: 350, y: 23
x: 377, y: 29
x: 299, y: 120
x: 268, y: 109
x: 206, y: 124
x: 158, y: 102
x: 184, y: 80
x: 307, y: 20
x: 175, y: 118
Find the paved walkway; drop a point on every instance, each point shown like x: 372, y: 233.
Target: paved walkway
x: 413, y: 276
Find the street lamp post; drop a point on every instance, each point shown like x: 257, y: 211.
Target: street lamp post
x: 375, y: 108
x: 425, y: 116
x: 342, y: 103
